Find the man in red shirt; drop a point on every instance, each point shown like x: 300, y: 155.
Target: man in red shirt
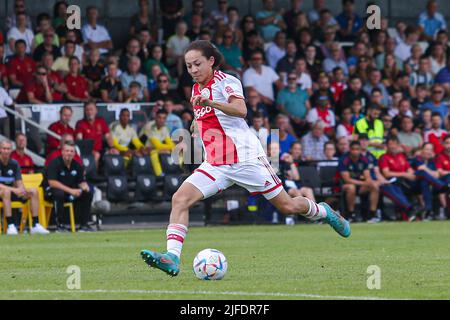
x: 55, y: 80
x: 77, y: 85
x: 25, y: 162
x: 67, y: 137
x: 3, y: 70
x: 436, y: 134
x: 443, y: 165
x: 95, y: 128
x: 394, y: 164
x: 20, y: 67
x: 38, y: 90
x: 61, y: 128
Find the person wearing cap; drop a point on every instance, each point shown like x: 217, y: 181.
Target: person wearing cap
x: 374, y: 128
x: 324, y: 113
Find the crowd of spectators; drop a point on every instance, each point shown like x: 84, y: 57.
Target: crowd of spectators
x: 378, y: 109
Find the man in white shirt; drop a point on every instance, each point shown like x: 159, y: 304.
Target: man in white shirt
x: 403, y: 49
x: 5, y: 100
x: 261, y: 78
x: 71, y: 35
x: 19, y: 32
x: 277, y: 50
x: 95, y: 36
x: 259, y: 130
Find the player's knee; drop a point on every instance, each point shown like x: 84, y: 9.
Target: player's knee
x: 181, y: 200
x: 350, y: 188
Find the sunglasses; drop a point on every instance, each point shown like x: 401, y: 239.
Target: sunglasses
x: 438, y: 92
x: 41, y: 73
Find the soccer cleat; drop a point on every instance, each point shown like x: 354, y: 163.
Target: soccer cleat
x: 12, y: 230
x: 38, y: 229
x: 336, y: 221
x: 167, y: 262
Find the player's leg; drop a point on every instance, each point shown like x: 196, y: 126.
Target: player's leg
x: 83, y: 210
x: 350, y: 199
x: 307, y: 193
x: 374, y: 193
x: 33, y: 196
x: 5, y: 194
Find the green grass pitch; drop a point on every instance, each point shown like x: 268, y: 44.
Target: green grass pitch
x: 265, y: 262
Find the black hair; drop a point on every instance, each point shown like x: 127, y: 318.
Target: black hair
x: 161, y: 111
x: 355, y: 143
x: 65, y: 108
x: 447, y: 137
x: 124, y: 110
x: 56, y: 7
x: 392, y: 139
x: 19, y: 42
x: 42, y: 16
x: 435, y: 114
x: 208, y: 50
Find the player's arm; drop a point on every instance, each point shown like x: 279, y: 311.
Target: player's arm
x: 58, y: 185
x: 348, y: 180
x: 235, y: 107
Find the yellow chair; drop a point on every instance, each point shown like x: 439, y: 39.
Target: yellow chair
x: 48, y: 211
x: 26, y: 213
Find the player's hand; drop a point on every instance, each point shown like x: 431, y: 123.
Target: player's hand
x: 76, y: 192
x: 422, y: 167
x: 199, y: 100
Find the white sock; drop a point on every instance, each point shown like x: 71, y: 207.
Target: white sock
x: 176, y: 233
x: 316, y: 211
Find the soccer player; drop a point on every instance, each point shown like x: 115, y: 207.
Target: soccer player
x: 233, y: 155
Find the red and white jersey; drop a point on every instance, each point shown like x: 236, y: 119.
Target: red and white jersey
x: 226, y: 139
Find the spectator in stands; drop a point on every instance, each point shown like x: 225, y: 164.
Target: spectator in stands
x: 71, y: 35
x: 25, y: 161
x: 125, y: 138
x: 156, y: 135
x: 11, y: 21
x: 391, y: 46
x: 436, y: 135
x: 352, y: 93
x: 55, y: 80
x: 322, y: 111
x: 252, y: 43
x: 269, y: 21
x: 12, y: 189
x: 43, y: 26
x: 412, y: 64
x: 20, y: 32
x: 390, y: 71
x: 232, y: 53
x: 38, y: 90
x: 254, y: 105
x: 410, y: 141
x: 349, y: 22
x: 61, y: 127
x: 313, y: 63
x: 325, y: 20
x: 358, y: 51
x: 404, y: 110
x: 314, y: 13
x: 313, y: 143
x: 198, y: 9
x: 94, y: 71
x: 195, y: 28
x: 443, y: 166
x: 93, y: 127
x: 77, y: 84
x: 437, y: 58
x: 142, y: 19
x: 330, y: 160
x: 283, y: 137
x: 276, y: 50
x: 162, y: 92
x: 135, y: 90
x: 357, y: 114
x: 428, y: 180
x: 421, y: 76
x: 59, y: 21
x: 7, y: 121
x: 46, y: 46
x: 133, y: 74
x: 431, y: 21
x: 20, y: 66
x: 146, y: 41
x: 375, y: 82
x: 303, y: 77
x: 95, y: 36
x: 394, y: 164
x: 110, y: 87
x: 421, y: 97
x: 436, y: 103
x: 219, y: 16
x: 356, y: 180
x: 257, y: 127
x: 290, y: 16
x: 335, y: 60
x: 133, y: 49
x: 156, y: 58
x: 233, y: 24
x: 261, y: 78
x: 342, y: 146
x: 173, y: 122
x: 176, y: 45
x: 345, y: 127
x: 66, y: 137
x: 70, y: 186
x: 323, y: 90
x: 338, y: 85
x: 61, y: 64
x: 293, y: 101
x: 3, y: 68
x: 374, y: 128
x: 172, y: 12
x: 443, y: 77
x: 403, y: 49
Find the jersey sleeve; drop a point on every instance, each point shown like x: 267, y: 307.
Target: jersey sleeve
x: 382, y: 163
x: 232, y: 87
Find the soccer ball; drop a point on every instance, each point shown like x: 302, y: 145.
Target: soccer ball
x: 210, y: 264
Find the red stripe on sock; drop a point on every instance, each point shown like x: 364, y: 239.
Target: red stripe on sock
x: 175, y: 237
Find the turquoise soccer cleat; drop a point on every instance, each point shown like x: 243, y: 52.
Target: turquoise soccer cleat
x: 167, y: 262
x: 336, y: 221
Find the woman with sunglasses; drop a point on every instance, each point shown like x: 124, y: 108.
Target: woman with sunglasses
x: 233, y: 156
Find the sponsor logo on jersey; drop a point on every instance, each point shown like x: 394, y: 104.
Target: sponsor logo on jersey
x: 200, y: 112
x: 229, y: 90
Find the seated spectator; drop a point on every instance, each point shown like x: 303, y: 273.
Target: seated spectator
x: 322, y: 111
x: 283, y: 137
x: 403, y: 49
x: 141, y: 19
x: 421, y: 76
x: 19, y: 32
x: 20, y: 66
x: 61, y: 64
x: 375, y: 83
x: 254, y: 105
x: 394, y: 164
x: 358, y: 51
x: 437, y: 58
x: 133, y: 49
x: 25, y: 161
x: 261, y: 78
x: 443, y: 77
x: 219, y: 15
x: 66, y: 137
x: 356, y: 180
x: 293, y: 101
x: 156, y: 58
x: 176, y: 45
x: 436, y: 103
x: 330, y: 160
x: 173, y: 120
x: 152, y: 79
x: 323, y: 90
x: 134, y: 93
x: 421, y: 97
x: 390, y: 71
x: 46, y: 46
x: 357, y: 114
x: 428, y: 180
x: 349, y: 22
x: 374, y: 128
x: 61, y: 127
x: 3, y: 68
x: 146, y: 41
x: 110, y: 86
x: 316, y: 12
x: 345, y: 127
x: 171, y: 13
x: 43, y: 26
x: 342, y: 147
x: 404, y: 110
x: 443, y: 166
x: 313, y: 62
x: 162, y: 92
x: 77, y: 85
x: 352, y: 93
x: 269, y: 21
x: 155, y: 134
x: 252, y: 43
x: 410, y: 141
x: 11, y: 20
x: 436, y: 135
x: 133, y: 74
x: 232, y: 53
x: 276, y: 50
x: 38, y: 90
x: 338, y: 85
x: 335, y: 60
x: 71, y: 186
x: 313, y: 143
x: 431, y: 21
x: 59, y: 21
x: 196, y: 23
x: 290, y: 16
x: 257, y: 127
x: 93, y: 127
x: 12, y: 189
x: 71, y: 35
x: 304, y: 80
x: 94, y: 72
x: 95, y: 36
x: 125, y: 138
x: 412, y: 64
x: 390, y: 47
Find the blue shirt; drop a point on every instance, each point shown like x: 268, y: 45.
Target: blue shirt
x: 432, y: 25
x: 342, y: 20
x: 355, y: 169
x: 443, y: 76
x: 173, y: 122
x: 372, y: 163
x: 269, y: 30
x: 285, y: 145
x: 294, y: 102
x: 441, y: 108
x: 232, y: 55
x: 418, y: 161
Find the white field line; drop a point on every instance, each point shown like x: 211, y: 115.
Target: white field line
x: 196, y: 293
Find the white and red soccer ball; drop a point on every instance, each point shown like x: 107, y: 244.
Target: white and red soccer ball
x: 210, y: 264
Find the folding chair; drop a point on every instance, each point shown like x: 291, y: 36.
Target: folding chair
x: 48, y: 212
x: 26, y: 214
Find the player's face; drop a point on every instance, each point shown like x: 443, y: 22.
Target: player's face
x: 124, y: 118
x: 198, y: 66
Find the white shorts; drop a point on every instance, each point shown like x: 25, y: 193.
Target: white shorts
x: 257, y: 176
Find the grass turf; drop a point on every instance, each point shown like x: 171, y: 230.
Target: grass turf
x: 265, y: 262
